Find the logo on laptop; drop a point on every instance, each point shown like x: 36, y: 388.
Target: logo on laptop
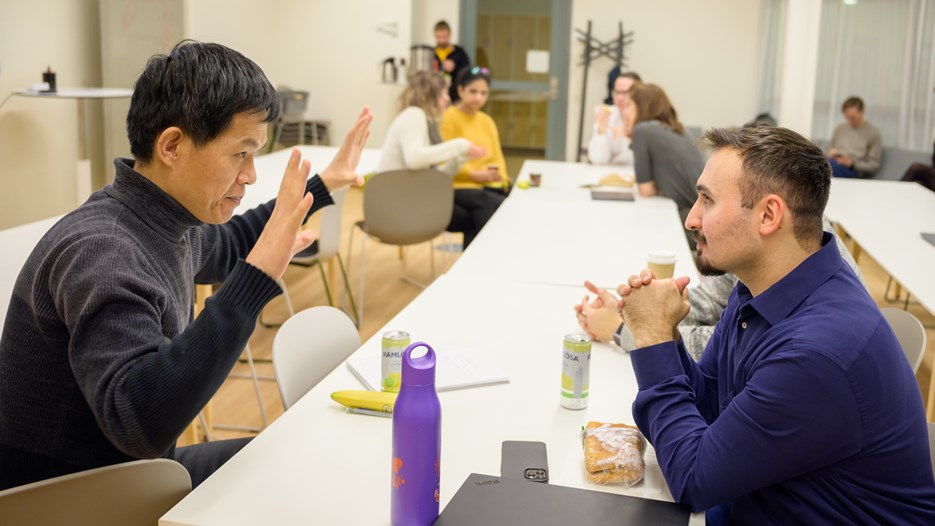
x: 486, y: 482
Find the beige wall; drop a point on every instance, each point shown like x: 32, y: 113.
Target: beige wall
x: 39, y: 138
x: 702, y: 53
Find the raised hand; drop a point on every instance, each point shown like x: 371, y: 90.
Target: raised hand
x: 341, y: 171
x: 281, y: 237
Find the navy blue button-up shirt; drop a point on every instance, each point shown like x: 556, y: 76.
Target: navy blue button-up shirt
x: 802, y: 410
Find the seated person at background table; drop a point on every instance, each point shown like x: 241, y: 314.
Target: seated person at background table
x: 665, y: 159
x: 609, y: 143
x: 602, y: 321
x: 100, y: 360
x: 856, y: 146
x: 450, y: 59
x: 803, y: 408
x: 481, y: 184
x: 922, y: 174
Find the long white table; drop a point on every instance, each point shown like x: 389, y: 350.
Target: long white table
x: 886, y: 218
x: 320, y: 465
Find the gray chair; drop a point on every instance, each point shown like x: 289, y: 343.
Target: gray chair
x: 910, y: 333
x: 895, y: 162
x: 132, y: 493
x: 308, y: 347
x: 403, y: 207
x: 932, y: 445
x: 292, y: 127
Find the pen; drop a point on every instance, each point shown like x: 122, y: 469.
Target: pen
x: 370, y: 412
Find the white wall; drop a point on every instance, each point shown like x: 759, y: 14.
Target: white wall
x: 703, y: 54
x: 333, y: 50
x: 425, y: 14
x: 39, y: 138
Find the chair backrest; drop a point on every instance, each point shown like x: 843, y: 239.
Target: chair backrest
x: 910, y: 333
x: 895, y: 161
x: 932, y: 445
x: 308, y: 347
x: 132, y: 493
x: 405, y: 207
x: 329, y: 231
x: 292, y: 105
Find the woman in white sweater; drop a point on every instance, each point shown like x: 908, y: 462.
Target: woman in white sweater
x: 413, y: 141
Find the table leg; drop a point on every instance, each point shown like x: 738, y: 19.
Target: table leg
x: 83, y: 168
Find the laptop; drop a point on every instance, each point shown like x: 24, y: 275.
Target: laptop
x: 489, y: 500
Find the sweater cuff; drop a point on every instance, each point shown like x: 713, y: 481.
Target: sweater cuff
x: 249, y: 288
x: 319, y: 192
x: 656, y: 363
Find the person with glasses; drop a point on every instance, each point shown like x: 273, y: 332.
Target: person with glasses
x: 609, y: 143
x: 482, y: 183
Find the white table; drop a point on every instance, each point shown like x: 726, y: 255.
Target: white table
x: 557, y: 235
x: 83, y: 171
x: 271, y: 167
x: 886, y: 218
x: 319, y: 465
x: 18, y: 242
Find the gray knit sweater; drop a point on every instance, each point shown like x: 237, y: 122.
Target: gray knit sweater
x: 100, y: 359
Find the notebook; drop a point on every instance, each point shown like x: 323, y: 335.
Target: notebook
x: 488, y: 500
x: 605, y: 194
x: 930, y: 237
x: 454, y: 369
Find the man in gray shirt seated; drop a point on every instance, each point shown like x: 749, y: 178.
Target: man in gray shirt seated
x: 856, y: 146
x: 101, y: 361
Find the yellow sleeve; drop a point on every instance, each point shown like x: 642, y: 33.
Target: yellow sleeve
x: 449, y: 128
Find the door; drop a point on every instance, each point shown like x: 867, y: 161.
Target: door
x: 525, y: 44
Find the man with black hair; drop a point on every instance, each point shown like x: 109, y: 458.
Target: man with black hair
x: 450, y: 59
x: 101, y: 361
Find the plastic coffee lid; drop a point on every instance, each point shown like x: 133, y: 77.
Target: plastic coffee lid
x: 418, y: 370
x: 661, y: 257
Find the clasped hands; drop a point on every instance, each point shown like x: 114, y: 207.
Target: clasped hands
x: 651, y: 308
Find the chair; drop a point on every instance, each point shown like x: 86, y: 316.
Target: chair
x: 403, y: 207
x: 308, y: 346
x: 132, y: 493
x: 932, y: 444
x: 910, y: 333
x: 291, y: 125
x: 328, y: 249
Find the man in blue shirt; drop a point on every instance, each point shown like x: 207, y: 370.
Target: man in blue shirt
x: 803, y: 408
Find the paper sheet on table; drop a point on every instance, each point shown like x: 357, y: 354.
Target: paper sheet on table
x: 454, y: 369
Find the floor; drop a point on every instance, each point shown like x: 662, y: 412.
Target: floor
x: 386, y: 294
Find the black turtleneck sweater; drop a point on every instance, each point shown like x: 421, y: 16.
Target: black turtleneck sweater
x: 100, y: 359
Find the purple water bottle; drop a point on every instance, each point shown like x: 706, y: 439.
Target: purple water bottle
x: 417, y: 442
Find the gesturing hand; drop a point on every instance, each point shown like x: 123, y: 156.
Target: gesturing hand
x: 599, y: 317
x: 652, y: 308
x: 342, y: 169
x: 281, y: 237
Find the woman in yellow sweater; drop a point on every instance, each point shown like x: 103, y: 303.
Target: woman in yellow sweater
x: 482, y: 183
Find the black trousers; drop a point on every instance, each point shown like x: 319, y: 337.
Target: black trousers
x: 922, y: 174
x: 472, y: 209
x: 201, y: 460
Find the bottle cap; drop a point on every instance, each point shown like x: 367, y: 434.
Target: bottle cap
x: 419, y: 370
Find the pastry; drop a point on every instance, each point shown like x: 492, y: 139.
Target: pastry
x: 613, y: 453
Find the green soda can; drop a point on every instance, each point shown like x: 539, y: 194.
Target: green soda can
x: 391, y: 367
x: 576, y: 371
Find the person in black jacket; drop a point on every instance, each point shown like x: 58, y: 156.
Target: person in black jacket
x: 450, y: 59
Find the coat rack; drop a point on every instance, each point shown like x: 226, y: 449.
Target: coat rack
x: 595, y: 49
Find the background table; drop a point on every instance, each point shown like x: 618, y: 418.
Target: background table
x: 83, y: 185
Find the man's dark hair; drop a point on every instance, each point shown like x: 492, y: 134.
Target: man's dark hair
x: 853, y: 102
x: 630, y: 75
x: 198, y: 87
x: 442, y: 25
x: 780, y: 161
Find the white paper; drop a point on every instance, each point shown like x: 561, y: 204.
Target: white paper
x: 454, y: 369
x: 537, y: 61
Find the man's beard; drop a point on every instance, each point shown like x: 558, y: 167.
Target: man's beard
x: 701, y: 263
